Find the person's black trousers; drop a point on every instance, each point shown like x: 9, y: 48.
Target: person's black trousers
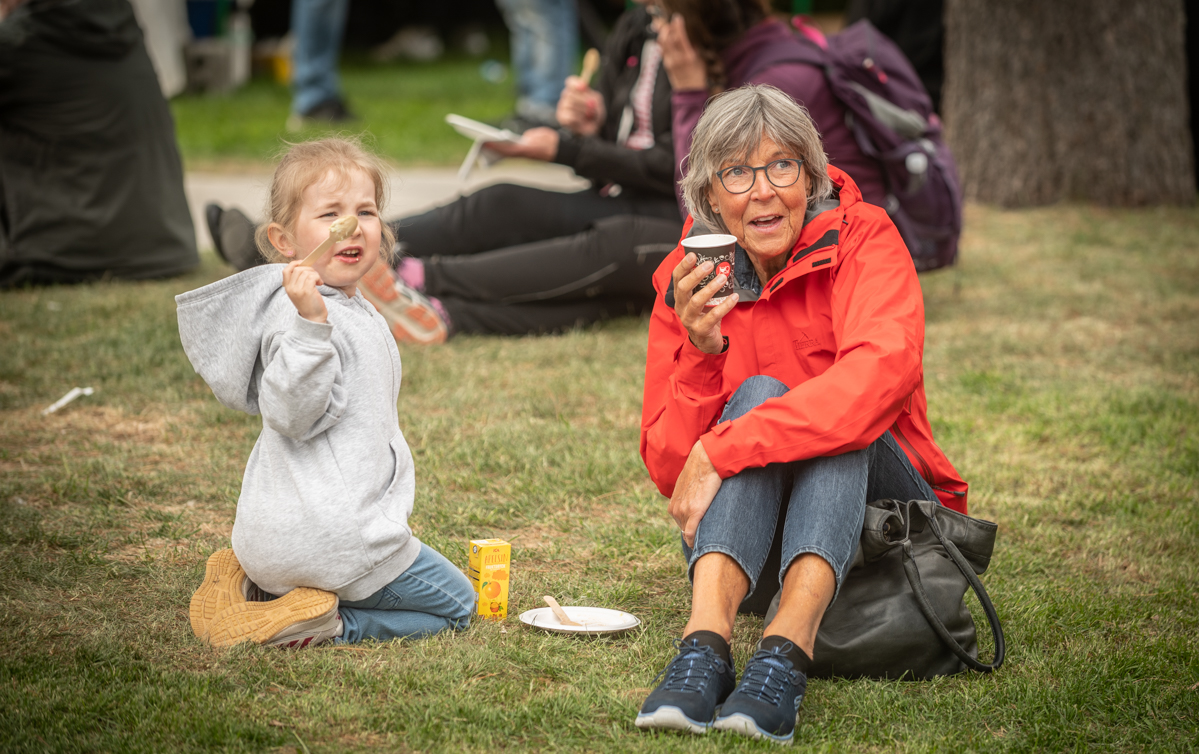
x: 514, y: 260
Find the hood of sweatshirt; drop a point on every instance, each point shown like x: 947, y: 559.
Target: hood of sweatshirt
x: 222, y: 326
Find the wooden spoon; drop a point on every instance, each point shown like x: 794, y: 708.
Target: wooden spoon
x: 591, y: 64
x: 563, y: 618
x: 341, y: 229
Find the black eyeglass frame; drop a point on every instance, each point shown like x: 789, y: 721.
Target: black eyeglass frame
x: 765, y: 169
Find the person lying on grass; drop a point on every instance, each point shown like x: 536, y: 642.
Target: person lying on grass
x: 771, y: 418
x: 321, y: 545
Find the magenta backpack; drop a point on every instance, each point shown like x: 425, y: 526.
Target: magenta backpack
x: 891, y: 116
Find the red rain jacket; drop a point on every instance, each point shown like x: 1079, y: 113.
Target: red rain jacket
x: 842, y: 325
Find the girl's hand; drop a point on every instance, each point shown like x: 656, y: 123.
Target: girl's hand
x: 694, y: 491
x: 702, y: 322
x: 684, y: 67
x: 300, y: 284
x: 539, y: 143
x: 580, y: 108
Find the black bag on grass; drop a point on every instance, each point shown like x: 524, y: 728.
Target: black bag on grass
x: 900, y: 612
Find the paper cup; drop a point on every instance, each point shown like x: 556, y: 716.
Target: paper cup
x: 718, y: 249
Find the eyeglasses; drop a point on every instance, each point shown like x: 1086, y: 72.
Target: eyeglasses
x: 740, y: 178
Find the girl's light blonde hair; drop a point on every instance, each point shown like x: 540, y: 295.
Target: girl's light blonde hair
x: 303, y: 165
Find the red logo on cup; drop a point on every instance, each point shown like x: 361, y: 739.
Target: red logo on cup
x: 724, y: 268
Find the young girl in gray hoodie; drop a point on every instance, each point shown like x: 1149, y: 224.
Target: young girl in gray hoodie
x: 322, y: 520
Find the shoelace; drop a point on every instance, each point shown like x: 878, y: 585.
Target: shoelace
x: 691, y: 669
x: 767, y: 676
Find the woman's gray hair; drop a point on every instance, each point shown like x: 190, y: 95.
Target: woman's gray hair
x: 732, y: 126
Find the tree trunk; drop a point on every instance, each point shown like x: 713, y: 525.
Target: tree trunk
x: 1048, y: 100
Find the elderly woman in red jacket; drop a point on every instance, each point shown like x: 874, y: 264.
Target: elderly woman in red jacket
x: 772, y: 417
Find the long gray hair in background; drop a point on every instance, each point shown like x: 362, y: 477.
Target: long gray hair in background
x: 733, y: 125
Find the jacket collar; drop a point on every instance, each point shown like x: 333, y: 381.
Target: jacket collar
x: 819, y: 240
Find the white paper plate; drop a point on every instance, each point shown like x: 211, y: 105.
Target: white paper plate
x: 473, y: 129
x: 595, y: 620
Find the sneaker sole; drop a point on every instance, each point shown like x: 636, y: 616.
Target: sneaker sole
x: 222, y: 588
x: 259, y: 622
x: 408, y: 323
x: 669, y: 718
x: 747, y: 726
x: 379, y: 284
x: 308, y: 634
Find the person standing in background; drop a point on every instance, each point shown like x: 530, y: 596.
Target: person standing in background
x: 318, y: 27
x: 545, y: 46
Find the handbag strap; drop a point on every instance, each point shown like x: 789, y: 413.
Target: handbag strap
x: 913, y: 574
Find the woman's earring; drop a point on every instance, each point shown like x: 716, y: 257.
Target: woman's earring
x: 716, y: 210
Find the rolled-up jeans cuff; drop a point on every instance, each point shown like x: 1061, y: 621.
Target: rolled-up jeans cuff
x: 693, y: 556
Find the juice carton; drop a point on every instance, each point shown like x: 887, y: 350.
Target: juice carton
x: 488, y: 567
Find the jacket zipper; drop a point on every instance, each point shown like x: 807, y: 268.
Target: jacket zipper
x: 925, y: 470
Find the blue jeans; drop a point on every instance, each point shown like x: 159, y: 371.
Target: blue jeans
x: 430, y: 597
x: 545, y: 43
x: 318, y: 26
x: 764, y: 518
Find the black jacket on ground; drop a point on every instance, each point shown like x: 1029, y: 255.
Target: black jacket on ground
x: 91, y: 183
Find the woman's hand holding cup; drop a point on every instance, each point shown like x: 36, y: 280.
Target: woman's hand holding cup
x: 691, y: 305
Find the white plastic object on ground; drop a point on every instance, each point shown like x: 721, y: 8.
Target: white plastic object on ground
x: 71, y: 395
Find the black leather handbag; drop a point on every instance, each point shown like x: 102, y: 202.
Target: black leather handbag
x: 900, y: 612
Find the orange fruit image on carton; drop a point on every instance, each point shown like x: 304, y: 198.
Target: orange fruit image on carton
x: 488, y: 566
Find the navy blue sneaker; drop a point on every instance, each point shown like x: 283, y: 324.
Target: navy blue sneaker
x: 693, y: 685
x: 767, y: 700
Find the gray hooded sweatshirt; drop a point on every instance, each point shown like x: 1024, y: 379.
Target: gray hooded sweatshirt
x: 329, y: 485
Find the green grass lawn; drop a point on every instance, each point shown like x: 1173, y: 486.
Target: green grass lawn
x: 1062, y: 365
x: 402, y: 105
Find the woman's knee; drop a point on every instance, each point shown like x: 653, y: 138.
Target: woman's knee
x: 753, y: 392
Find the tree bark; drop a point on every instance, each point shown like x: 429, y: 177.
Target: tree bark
x: 1048, y: 100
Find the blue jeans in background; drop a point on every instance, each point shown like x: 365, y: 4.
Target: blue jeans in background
x: 430, y: 597
x: 764, y: 518
x: 317, y: 27
x: 545, y: 45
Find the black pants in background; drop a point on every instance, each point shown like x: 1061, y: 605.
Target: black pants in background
x: 513, y: 260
